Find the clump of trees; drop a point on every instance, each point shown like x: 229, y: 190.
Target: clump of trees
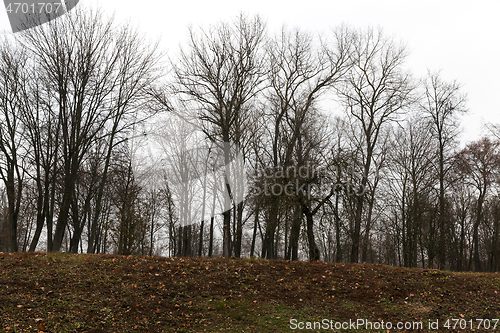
x: 71, y: 91
x: 235, y: 151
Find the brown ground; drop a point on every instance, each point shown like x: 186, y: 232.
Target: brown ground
x: 57, y: 292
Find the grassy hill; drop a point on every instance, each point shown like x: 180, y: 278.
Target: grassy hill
x: 103, y: 293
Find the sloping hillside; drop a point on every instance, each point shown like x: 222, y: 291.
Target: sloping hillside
x: 103, y: 293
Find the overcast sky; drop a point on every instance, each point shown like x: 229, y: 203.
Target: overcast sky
x: 461, y: 38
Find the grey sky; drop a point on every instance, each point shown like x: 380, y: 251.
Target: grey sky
x: 459, y: 37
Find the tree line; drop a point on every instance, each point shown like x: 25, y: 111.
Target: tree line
x: 283, y: 145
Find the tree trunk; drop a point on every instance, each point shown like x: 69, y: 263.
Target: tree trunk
x: 75, y: 239
x: 356, y: 236
x: 441, y: 218
x: 314, y: 254
x: 477, y: 260
x: 294, y: 235
x: 200, y: 244
x: 226, y: 232
x: 338, y: 254
x: 239, y: 229
x: 40, y: 218
x: 268, y: 243
x: 13, y: 201
x: 364, y: 255
x: 211, y: 241
x: 100, y: 193
x: 254, y: 234
x: 69, y: 185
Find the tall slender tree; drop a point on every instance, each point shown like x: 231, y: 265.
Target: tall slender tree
x: 442, y: 103
x: 219, y: 74
x: 374, y: 92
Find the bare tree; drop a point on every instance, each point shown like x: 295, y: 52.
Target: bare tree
x: 409, y: 180
x: 130, y: 227
x: 442, y: 103
x: 463, y: 201
x: 95, y: 73
x: 480, y: 161
x: 41, y: 124
x: 219, y: 74
x: 136, y: 72
x: 13, y: 85
x: 374, y: 92
x: 301, y: 69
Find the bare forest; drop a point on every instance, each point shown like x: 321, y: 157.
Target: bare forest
x: 243, y: 142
